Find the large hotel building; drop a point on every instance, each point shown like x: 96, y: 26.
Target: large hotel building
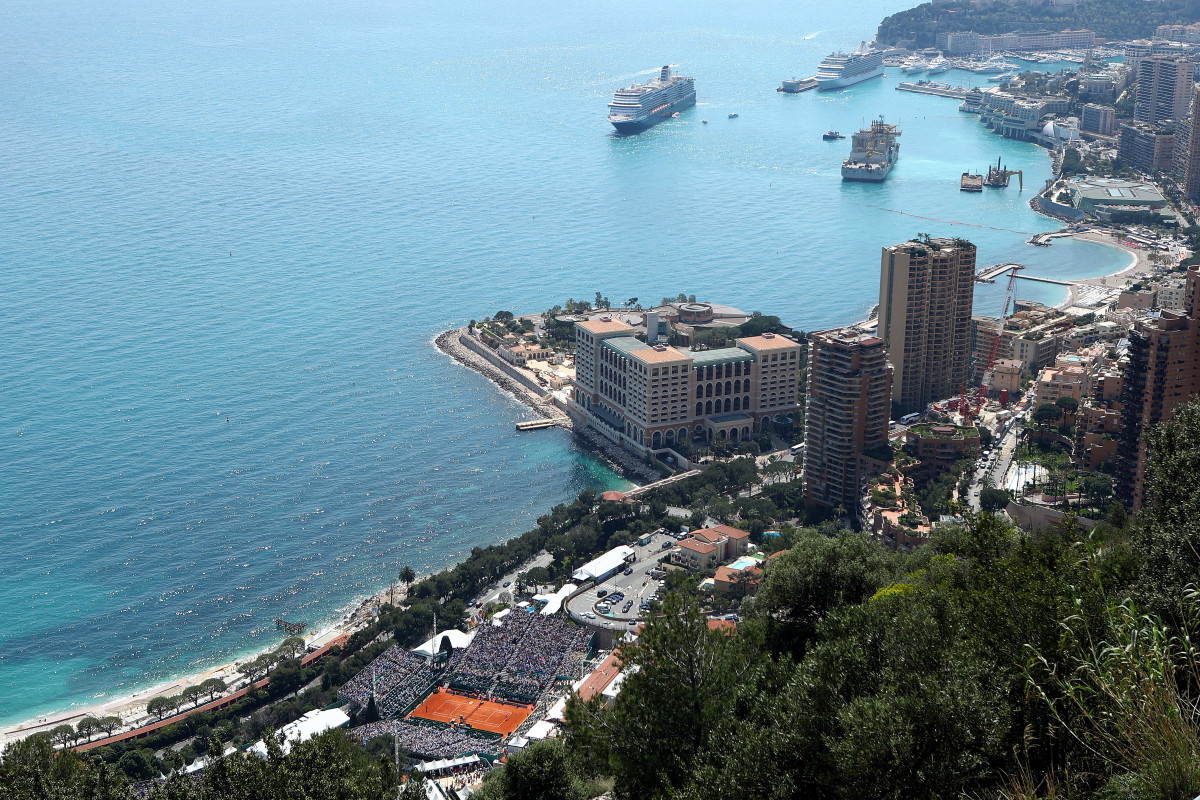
x: 650, y: 396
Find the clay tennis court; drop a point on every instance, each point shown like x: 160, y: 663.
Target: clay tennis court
x: 486, y: 715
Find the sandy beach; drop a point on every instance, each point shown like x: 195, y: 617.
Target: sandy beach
x: 131, y: 708
x: 1139, y: 266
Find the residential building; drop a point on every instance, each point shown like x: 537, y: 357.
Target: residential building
x: 1187, y: 150
x: 740, y: 581
x: 1179, y: 33
x: 939, y: 446
x: 695, y: 555
x: 520, y: 354
x: 1172, y: 294
x: 1055, y: 383
x: 1006, y: 376
x: 1145, y: 147
x: 648, y: 397
x: 849, y: 398
x: 1161, y: 374
x: 705, y: 547
x: 1164, y: 89
x: 1098, y: 119
x: 925, y: 294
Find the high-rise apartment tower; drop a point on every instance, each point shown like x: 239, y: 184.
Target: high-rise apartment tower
x: 925, y: 294
x: 1164, y: 89
x: 846, y: 417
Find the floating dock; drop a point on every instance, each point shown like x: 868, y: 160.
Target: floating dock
x: 938, y: 89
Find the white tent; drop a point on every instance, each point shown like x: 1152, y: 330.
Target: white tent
x: 554, y: 601
x: 448, y: 763
x: 605, y: 565
x: 303, y: 729
x: 458, y: 640
x: 541, y: 730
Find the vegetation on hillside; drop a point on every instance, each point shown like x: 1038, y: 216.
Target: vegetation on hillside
x: 992, y: 662
x: 1110, y: 19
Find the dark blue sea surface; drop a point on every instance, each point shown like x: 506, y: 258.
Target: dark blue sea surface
x: 229, y: 232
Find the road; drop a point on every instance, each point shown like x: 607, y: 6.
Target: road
x: 637, y: 586
x: 492, y: 593
x: 1003, y: 453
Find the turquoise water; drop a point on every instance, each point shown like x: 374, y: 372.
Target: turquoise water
x: 231, y: 231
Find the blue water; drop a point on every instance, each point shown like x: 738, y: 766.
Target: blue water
x: 230, y: 230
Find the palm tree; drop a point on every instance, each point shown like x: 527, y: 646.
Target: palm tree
x: 407, y: 576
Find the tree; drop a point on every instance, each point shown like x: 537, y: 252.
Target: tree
x: 160, y: 706
x: 371, y: 712
x: 1069, y: 405
x: 86, y: 727
x: 63, y: 734
x: 540, y: 772
x: 1168, y: 533
x: 678, y: 678
x: 407, y: 576
x: 193, y: 695
x: 136, y: 766
x: 993, y: 499
x: 1046, y: 413
x: 286, y: 678
x: 109, y: 724
x: 291, y: 647
x: 213, y: 687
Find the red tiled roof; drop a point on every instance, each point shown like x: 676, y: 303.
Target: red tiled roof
x: 699, y: 547
x: 600, y: 678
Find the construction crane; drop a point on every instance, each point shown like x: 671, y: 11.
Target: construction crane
x: 988, y: 377
x: 998, y: 176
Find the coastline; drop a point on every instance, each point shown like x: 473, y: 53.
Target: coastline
x: 1139, y: 266
x: 621, y: 461
x: 131, y: 707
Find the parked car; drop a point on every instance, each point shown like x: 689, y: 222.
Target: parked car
x: 601, y: 593
x: 628, y: 571
x: 590, y: 615
x: 666, y: 545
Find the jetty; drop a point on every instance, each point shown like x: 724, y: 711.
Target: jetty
x: 536, y: 424
x: 930, y: 87
x: 990, y: 274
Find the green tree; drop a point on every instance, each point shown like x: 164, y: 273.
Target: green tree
x: 136, y: 766
x: 1069, y: 405
x: 109, y: 724
x: 160, y: 706
x: 1168, y: 532
x: 291, y: 647
x: 407, y: 576
x: 993, y: 499
x: 63, y: 735
x: 213, y: 687
x: 86, y: 727
x: 816, y: 576
x: 1046, y: 414
x: 540, y: 772
x: 678, y: 679
x: 193, y: 695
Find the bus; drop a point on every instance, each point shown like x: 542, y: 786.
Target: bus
x: 797, y: 449
x: 909, y: 419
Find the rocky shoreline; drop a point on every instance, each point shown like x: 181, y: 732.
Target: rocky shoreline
x: 620, y: 460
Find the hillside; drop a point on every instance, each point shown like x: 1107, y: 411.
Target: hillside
x: 1111, y: 19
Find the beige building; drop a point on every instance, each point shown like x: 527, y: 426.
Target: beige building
x: 925, y: 294
x: 1006, y: 376
x: 520, y: 354
x: 1058, y: 382
x: 649, y: 397
x: 1164, y: 88
x: 849, y: 400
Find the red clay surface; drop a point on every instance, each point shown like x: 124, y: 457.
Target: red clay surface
x: 486, y: 715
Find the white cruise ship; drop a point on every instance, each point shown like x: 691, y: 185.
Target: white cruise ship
x: 839, y: 70
x: 646, y: 104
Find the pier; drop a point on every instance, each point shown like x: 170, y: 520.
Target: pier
x: 536, y: 424
x: 990, y: 274
x: 1046, y: 280
x: 937, y: 89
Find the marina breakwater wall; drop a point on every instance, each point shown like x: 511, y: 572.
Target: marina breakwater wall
x: 1056, y: 210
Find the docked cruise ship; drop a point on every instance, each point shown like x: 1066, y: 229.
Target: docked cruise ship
x: 839, y: 70
x: 873, y: 153
x: 644, y: 105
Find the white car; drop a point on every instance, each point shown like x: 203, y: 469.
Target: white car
x: 589, y: 615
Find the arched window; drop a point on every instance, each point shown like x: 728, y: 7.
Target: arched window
x: 699, y: 392
x: 670, y: 438
x: 746, y: 402
x: 718, y: 385
x: 728, y: 387
x: 737, y: 387
x: 728, y: 405
x: 683, y: 434
x: 708, y: 407
x: 708, y: 390
x: 657, y: 440
x: 708, y: 372
x: 699, y: 409
x: 745, y: 433
x: 737, y: 404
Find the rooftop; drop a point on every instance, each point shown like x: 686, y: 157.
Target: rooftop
x: 658, y: 355
x: 603, y: 325
x: 699, y: 547
x: 720, y: 355
x: 768, y: 341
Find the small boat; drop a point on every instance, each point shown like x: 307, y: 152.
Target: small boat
x: 675, y: 115
x: 830, y: 136
x: 1003, y: 78
x: 704, y: 121
x: 733, y: 115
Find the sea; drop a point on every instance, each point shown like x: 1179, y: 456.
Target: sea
x: 230, y: 231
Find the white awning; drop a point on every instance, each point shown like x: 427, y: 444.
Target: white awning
x: 603, y: 565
